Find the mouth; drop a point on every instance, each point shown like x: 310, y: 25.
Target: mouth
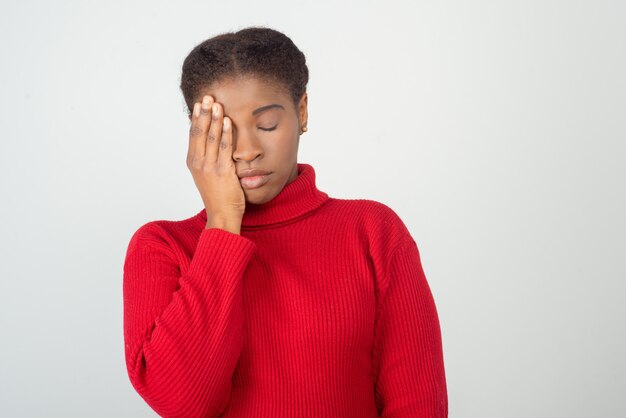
x: 252, y: 172
x: 254, y: 182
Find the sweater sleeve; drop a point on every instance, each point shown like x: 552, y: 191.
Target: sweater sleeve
x: 184, y: 334
x: 408, y: 356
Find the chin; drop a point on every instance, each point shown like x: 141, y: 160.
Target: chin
x: 259, y: 199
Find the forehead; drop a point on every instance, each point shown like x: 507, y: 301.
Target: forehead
x: 242, y: 95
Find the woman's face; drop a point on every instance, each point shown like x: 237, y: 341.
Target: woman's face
x: 266, y: 130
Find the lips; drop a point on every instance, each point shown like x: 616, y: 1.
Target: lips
x: 254, y: 182
x: 252, y: 173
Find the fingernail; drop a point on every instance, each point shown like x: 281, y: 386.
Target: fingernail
x: 215, y: 111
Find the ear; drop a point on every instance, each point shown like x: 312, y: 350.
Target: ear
x: 303, y: 113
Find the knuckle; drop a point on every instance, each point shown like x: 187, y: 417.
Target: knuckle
x: 212, y: 137
x: 195, y: 130
x: 195, y: 164
x: 206, y: 169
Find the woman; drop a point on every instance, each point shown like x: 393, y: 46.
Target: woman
x: 274, y: 300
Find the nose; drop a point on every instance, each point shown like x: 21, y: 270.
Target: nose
x: 246, y: 146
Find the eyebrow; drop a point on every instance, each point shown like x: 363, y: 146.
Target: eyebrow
x: 264, y: 108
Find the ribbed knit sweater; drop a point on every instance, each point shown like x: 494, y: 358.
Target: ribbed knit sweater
x: 319, y: 308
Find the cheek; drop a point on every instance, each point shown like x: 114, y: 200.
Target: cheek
x: 282, y: 142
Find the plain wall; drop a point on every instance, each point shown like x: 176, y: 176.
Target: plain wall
x: 495, y: 129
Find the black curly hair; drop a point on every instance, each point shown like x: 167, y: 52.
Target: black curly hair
x: 255, y: 51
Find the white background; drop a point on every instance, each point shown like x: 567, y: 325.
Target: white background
x: 495, y: 129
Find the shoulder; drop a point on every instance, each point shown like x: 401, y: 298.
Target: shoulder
x: 377, y: 220
x: 375, y: 212
x: 164, y: 233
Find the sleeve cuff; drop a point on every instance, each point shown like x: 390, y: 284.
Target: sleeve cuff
x: 221, y: 252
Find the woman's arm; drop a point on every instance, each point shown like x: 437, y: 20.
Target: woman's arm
x: 184, y: 334
x: 408, y: 357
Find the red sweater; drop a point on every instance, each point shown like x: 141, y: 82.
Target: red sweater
x: 320, y: 308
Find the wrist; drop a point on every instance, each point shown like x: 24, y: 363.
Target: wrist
x: 226, y: 224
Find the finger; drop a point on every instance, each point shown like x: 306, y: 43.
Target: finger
x: 214, y: 134
x: 199, y: 126
x: 225, y: 158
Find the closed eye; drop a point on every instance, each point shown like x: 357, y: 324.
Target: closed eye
x: 268, y: 129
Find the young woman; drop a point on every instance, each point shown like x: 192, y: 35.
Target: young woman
x: 274, y: 300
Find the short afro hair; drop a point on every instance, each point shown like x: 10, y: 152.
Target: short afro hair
x: 253, y: 51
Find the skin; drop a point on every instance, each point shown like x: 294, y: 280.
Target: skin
x: 235, y: 141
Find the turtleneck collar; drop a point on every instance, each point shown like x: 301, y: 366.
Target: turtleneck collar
x: 295, y: 200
